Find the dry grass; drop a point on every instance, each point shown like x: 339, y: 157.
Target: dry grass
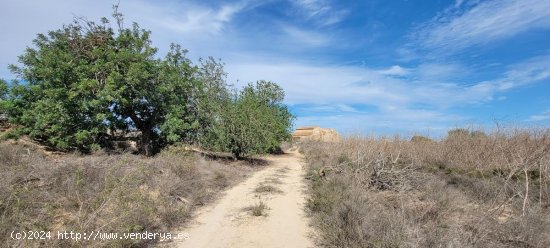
x: 258, y: 209
x: 106, y: 193
x: 266, y: 188
x: 467, y: 190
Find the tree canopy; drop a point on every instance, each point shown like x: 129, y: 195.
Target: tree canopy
x: 253, y: 121
x: 88, y: 81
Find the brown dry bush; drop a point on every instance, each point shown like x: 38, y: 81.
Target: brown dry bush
x: 469, y: 189
x: 258, y: 209
x: 106, y: 193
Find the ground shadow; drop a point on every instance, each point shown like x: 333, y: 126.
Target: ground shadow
x: 225, y: 157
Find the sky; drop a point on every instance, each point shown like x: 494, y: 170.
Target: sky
x: 370, y: 67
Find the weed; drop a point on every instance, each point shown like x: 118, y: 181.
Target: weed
x: 259, y: 209
x: 266, y: 188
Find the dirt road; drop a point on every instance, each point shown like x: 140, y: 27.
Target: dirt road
x: 230, y: 222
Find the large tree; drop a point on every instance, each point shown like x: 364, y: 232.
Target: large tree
x: 88, y: 80
x: 84, y: 83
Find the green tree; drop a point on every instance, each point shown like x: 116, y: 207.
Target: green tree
x: 58, y: 102
x: 85, y: 81
x: 253, y: 121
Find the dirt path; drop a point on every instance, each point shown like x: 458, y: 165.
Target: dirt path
x: 230, y: 222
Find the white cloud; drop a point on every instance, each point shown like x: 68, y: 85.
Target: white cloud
x: 367, y: 86
x: 195, y: 18
x: 306, y: 83
x: 527, y: 72
x: 540, y: 117
x: 314, y: 7
x: 346, y: 108
x: 439, y: 72
x: 332, y: 89
x: 193, y: 24
x: 458, y: 3
x: 395, y: 70
x: 394, y: 92
x: 483, y: 23
x: 204, y: 29
x: 23, y: 19
x: 324, y: 109
x: 321, y: 11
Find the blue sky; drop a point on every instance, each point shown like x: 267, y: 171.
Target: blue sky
x: 372, y: 66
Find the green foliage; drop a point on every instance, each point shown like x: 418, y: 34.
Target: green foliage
x: 3, y: 89
x: 72, y: 78
x: 87, y: 82
x: 253, y: 121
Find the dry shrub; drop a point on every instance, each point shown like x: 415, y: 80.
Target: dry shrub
x: 266, y: 188
x: 259, y: 209
x: 470, y: 189
x: 106, y: 193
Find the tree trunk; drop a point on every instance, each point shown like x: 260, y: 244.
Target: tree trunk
x: 147, y: 145
x: 237, y: 152
x: 236, y: 155
x: 148, y: 137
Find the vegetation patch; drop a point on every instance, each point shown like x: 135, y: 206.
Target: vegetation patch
x: 266, y: 188
x: 470, y: 189
x: 97, y: 85
x: 108, y: 193
x: 258, y: 209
